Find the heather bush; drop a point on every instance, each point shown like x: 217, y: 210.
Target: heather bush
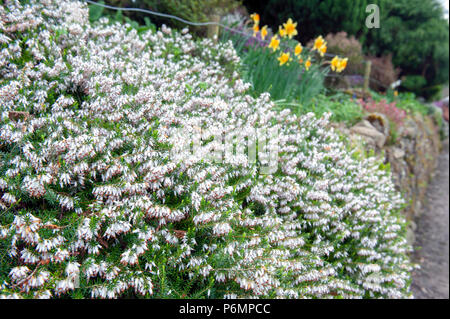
x: 102, y: 197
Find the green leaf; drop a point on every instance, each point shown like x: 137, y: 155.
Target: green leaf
x: 95, y: 12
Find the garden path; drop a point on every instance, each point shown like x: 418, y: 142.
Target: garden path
x: 432, y: 237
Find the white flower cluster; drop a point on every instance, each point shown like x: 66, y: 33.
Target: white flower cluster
x: 91, y: 195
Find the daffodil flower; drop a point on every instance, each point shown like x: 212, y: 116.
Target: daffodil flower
x: 337, y: 64
x: 255, y: 29
x: 342, y: 65
x: 264, y: 32
x: 255, y: 18
x: 284, y: 58
x: 282, y: 32
x: 298, y: 49
x: 274, y: 43
x: 334, y: 63
x: 308, y: 64
x: 323, y: 49
x: 290, y: 28
x: 318, y: 43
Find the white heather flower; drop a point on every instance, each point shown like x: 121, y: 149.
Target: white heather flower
x: 18, y: 273
x: 65, y: 285
x: 221, y: 229
x: 72, y: 269
x: 65, y: 179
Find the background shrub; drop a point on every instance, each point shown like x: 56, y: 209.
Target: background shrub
x: 190, y: 10
x: 383, y: 73
x: 344, y: 45
x: 315, y: 17
x: 417, y: 34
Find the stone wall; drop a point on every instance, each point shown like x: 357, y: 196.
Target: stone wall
x: 413, y: 159
x: 412, y: 156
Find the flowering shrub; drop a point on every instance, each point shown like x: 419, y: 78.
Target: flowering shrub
x: 392, y: 112
x: 94, y: 202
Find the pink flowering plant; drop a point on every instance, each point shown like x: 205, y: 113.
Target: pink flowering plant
x: 101, y: 196
x: 392, y: 112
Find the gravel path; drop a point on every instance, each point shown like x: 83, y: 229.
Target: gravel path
x: 432, y: 237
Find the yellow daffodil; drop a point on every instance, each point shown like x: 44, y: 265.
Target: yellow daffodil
x: 255, y: 18
x: 284, y: 58
x: 264, y: 32
x: 274, y: 43
x: 337, y: 64
x: 290, y: 28
x: 308, y: 64
x: 342, y: 65
x: 255, y: 29
x: 395, y: 93
x: 323, y: 49
x: 334, y: 63
x: 298, y: 49
x: 282, y: 32
x: 318, y: 43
